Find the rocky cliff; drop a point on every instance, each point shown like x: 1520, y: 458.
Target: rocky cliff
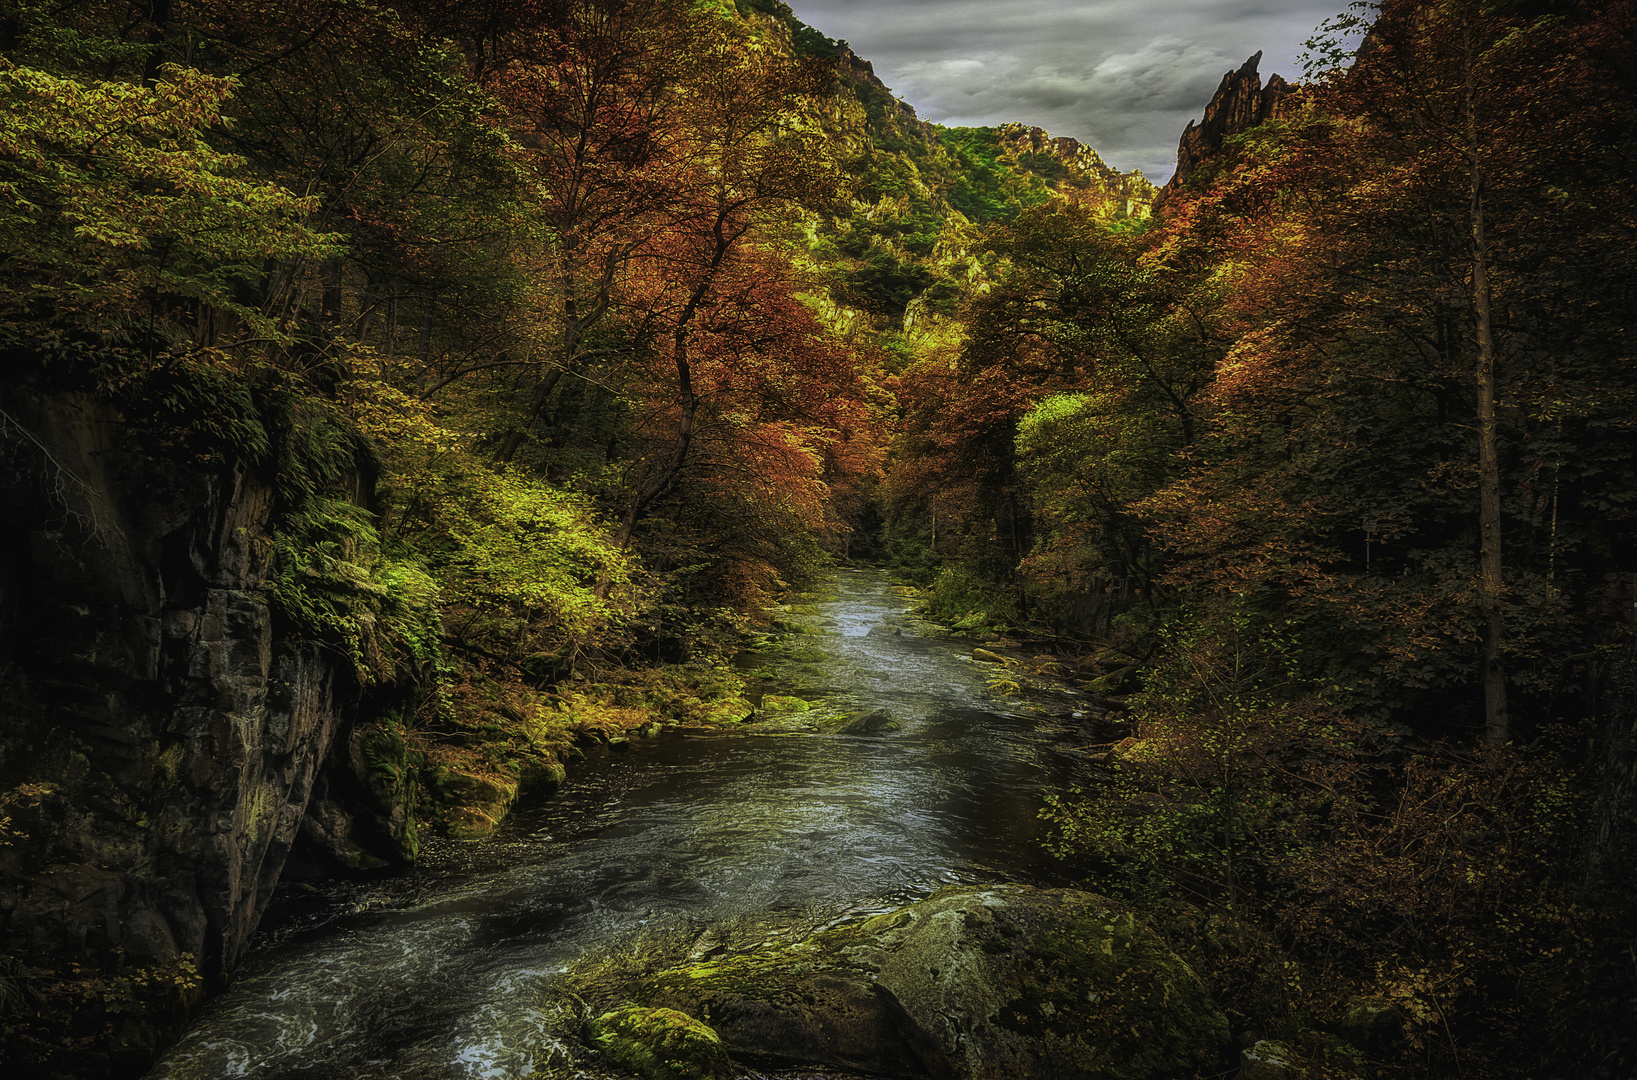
x: 1240, y: 103
x: 862, y: 71
x: 160, y: 735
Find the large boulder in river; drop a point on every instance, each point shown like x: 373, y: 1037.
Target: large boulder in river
x: 999, y: 983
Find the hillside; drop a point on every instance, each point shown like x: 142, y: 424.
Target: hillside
x: 896, y: 253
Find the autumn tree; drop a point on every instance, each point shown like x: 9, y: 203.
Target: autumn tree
x: 114, y: 198
x: 744, y: 155
x: 593, y: 93
x: 783, y: 418
x: 1427, y: 85
x: 1082, y: 313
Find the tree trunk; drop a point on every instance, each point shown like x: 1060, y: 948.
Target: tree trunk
x: 537, y: 401
x: 330, y: 304
x: 667, y: 474
x: 1611, y: 827
x: 1492, y: 586
x: 159, y: 17
x: 575, y: 324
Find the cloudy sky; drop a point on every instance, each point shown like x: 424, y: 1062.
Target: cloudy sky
x: 1123, y: 76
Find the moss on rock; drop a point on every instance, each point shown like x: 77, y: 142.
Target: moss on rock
x: 1003, y: 983
x: 1016, y: 982
x: 474, y: 805
x: 868, y: 723
x: 661, y: 1044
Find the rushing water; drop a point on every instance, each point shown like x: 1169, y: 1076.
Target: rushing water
x: 441, y: 973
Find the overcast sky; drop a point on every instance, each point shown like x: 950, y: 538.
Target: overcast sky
x: 1123, y: 76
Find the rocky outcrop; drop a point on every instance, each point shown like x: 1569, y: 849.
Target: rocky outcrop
x: 862, y: 71
x: 1070, y: 164
x: 160, y: 738
x: 1240, y: 103
x: 1001, y: 983
x: 1309, y: 1055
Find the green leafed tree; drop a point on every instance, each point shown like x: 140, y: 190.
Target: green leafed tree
x: 118, y: 215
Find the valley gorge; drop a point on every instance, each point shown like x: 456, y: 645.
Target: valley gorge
x: 484, y: 448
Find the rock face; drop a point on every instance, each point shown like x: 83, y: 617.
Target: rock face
x: 1002, y: 983
x: 1241, y: 102
x: 864, y: 72
x: 159, y: 738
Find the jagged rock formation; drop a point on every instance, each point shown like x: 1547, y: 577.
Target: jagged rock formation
x: 1071, y: 153
x: 1240, y: 103
x: 168, y: 735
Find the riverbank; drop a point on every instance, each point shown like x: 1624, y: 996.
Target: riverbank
x: 771, y: 686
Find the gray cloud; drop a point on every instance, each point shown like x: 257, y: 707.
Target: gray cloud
x: 1123, y: 76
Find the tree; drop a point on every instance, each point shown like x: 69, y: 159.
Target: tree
x: 119, y: 215
x: 1079, y: 311
x: 744, y: 154
x: 1426, y: 80
x: 1354, y: 396
x: 593, y: 93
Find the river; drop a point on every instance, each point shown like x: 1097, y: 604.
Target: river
x: 442, y: 972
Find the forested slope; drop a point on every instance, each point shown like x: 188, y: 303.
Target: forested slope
x: 392, y: 396
x: 1331, y: 466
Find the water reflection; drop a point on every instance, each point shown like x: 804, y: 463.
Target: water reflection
x: 440, y: 974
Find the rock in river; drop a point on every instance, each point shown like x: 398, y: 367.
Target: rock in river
x: 976, y: 983
x: 868, y: 723
x: 661, y: 1044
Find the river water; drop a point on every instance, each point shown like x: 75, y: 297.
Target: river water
x: 443, y: 972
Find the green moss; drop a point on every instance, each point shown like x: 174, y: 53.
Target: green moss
x: 471, y: 806
x: 392, y: 771
x: 168, y: 764
x: 661, y: 1044
x: 331, y: 581
x: 755, y: 973
x: 541, y: 774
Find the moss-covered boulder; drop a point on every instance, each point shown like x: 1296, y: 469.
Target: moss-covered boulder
x: 1375, y: 1025
x: 1269, y: 1060
x: 661, y: 1044
x: 540, y: 775
x: 812, y: 1003
x: 473, y: 805
x: 1002, y: 983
